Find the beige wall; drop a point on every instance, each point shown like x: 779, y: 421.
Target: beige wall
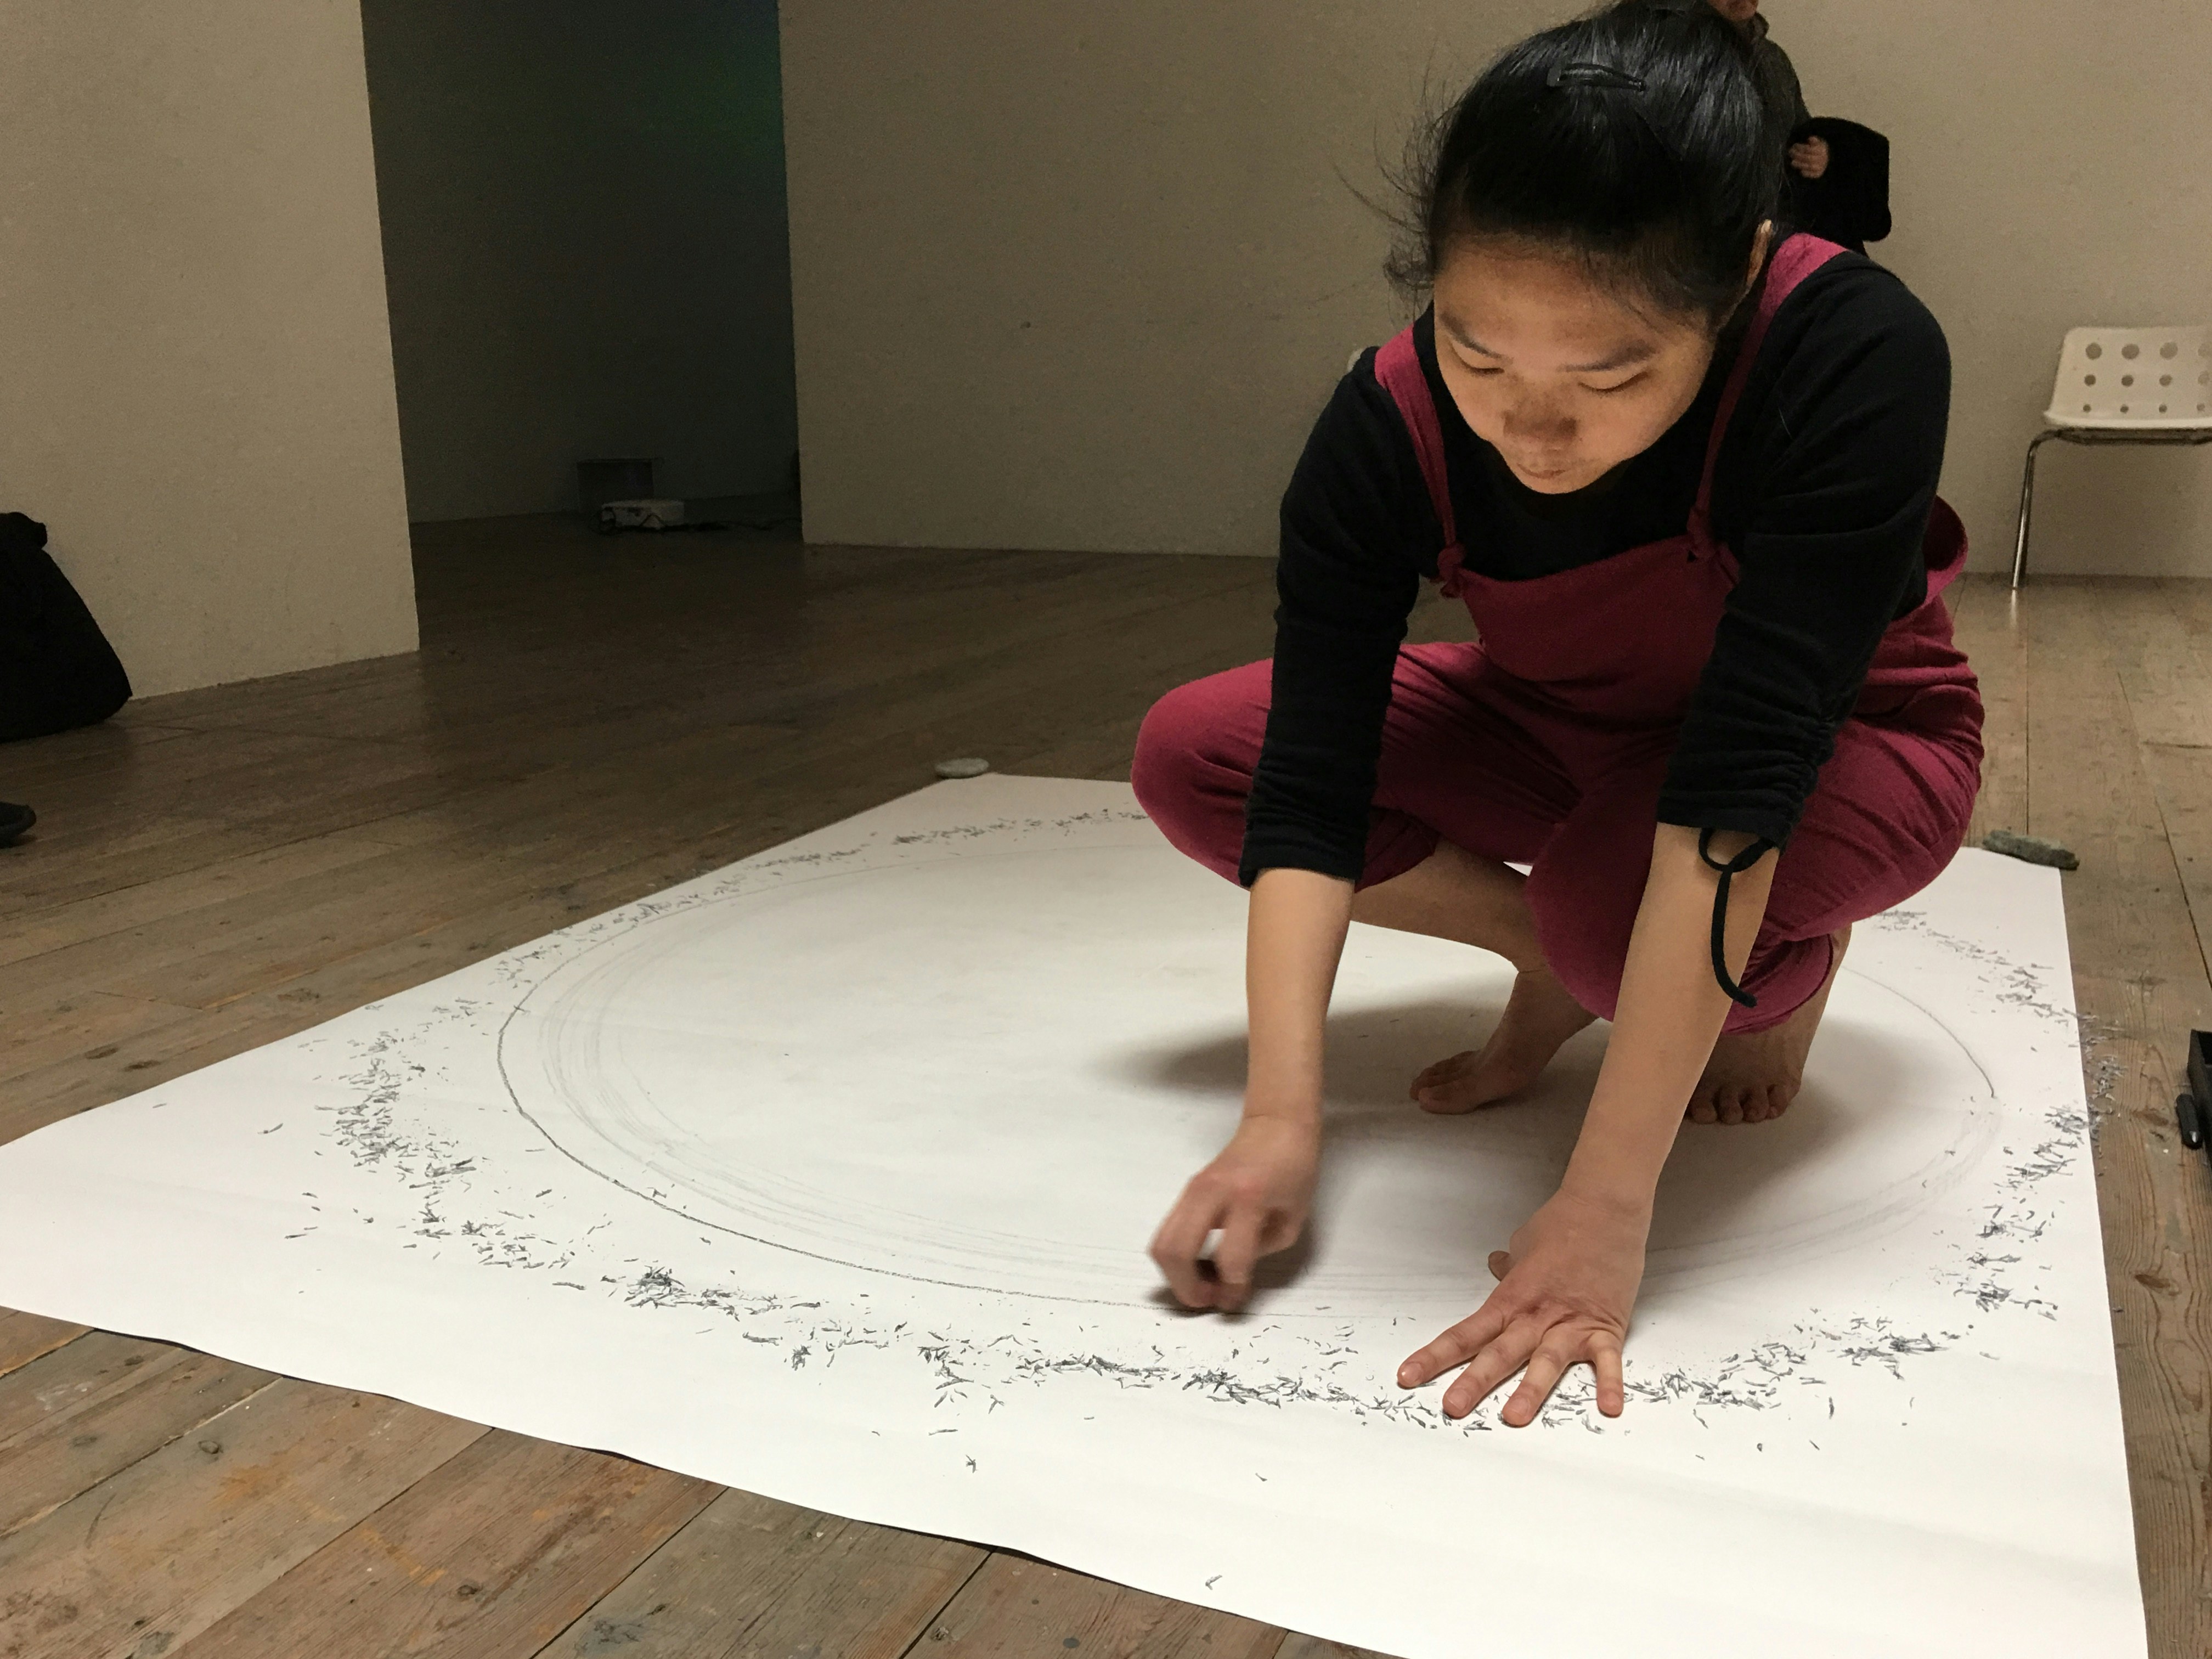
x: 2050, y: 171
x: 199, y: 379
x: 584, y: 234
x: 1069, y: 275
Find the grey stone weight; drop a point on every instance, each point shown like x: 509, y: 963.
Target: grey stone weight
x: 962, y: 768
x: 2032, y: 848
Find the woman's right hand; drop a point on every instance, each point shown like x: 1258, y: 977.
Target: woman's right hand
x: 1256, y: 1195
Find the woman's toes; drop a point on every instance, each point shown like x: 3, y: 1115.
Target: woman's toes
x: 1438, y: 1075
x: 1701, y: 1110
x: 1458, y: 1084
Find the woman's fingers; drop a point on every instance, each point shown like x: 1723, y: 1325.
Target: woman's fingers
x: 1235, y: 1256
x: 1505, y: 1355
x: 1455, y: 1347
x: 1226, y: 1281
x: 1492, y: 1349
x: 1281, y: 1231
x: 1605, y: 1360
x: 1179, y: 1243
x: 1559, y: 1349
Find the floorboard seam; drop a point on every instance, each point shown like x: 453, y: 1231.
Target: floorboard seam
x: 29, y: 1521
x: 636, y: 1567
x: 951, y: 1595
x: 57, y: 1348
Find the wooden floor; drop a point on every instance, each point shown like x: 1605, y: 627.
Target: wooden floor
x: 589, y: 722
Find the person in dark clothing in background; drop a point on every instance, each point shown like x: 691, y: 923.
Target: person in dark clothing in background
x: 1680, y: 465
x: 1778, y: 85
x: 58, y: 670
x: 1836, y: 180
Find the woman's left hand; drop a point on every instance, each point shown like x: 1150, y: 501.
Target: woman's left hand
x: 1567, y: 1285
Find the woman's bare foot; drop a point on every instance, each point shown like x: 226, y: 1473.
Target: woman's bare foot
x: 1753, y: 1078
x: 1540, y: 1016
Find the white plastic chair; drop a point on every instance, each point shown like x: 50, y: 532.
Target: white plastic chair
x: 2122, y: 386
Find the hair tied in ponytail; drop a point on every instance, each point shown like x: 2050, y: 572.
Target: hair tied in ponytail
x: 1602, y: 76
x: 1660, y: 194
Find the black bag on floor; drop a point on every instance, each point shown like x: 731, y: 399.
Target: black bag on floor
x: 56, y: 669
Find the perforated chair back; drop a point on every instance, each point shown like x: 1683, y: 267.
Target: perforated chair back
x: 2140, y: 379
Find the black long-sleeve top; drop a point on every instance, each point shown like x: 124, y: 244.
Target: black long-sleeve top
x: 1822, y: 490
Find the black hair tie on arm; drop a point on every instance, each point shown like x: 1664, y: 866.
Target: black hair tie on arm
x: 1583, y: 74
x: 1736, y: 866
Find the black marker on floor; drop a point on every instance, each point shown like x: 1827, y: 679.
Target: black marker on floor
x: 2191, y: 1121
x: 2189, y: 1110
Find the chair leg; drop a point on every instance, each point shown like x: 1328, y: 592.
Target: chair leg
x: 2027, y: 510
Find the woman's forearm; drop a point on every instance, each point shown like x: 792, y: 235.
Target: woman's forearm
x: 1293, y: 941
x: 1670, y: 1014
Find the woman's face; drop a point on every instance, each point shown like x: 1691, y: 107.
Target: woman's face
x: 1558, y: 375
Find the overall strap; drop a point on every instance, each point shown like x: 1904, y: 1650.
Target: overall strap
x: 1797, y: 259
x: 1398, y: 371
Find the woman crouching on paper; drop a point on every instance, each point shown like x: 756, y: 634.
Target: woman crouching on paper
x: 1681, y: 467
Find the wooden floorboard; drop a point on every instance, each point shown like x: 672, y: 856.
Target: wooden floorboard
x: 753, y: 1576
x: 96, y: 1407
x: 495, y: 1551
x: 26, y: 1337
x: 590, y: 721
x: 2141, y: 985
x: 151, y: 1557
x: 1014, y: 1605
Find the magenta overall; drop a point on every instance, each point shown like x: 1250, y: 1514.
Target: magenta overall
x: 1545, y: 742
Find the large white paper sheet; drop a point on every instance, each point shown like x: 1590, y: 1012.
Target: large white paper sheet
x: 830, y: 1176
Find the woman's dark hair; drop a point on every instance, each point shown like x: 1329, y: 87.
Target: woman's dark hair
x: 1635, y: 140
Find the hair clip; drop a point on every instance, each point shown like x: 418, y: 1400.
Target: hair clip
x: 1604, y: 75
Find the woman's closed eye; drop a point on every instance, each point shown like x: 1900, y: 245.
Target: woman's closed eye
x: 1485, y: 371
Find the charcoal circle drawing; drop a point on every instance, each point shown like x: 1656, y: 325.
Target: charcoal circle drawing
x: 990, y: 1070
